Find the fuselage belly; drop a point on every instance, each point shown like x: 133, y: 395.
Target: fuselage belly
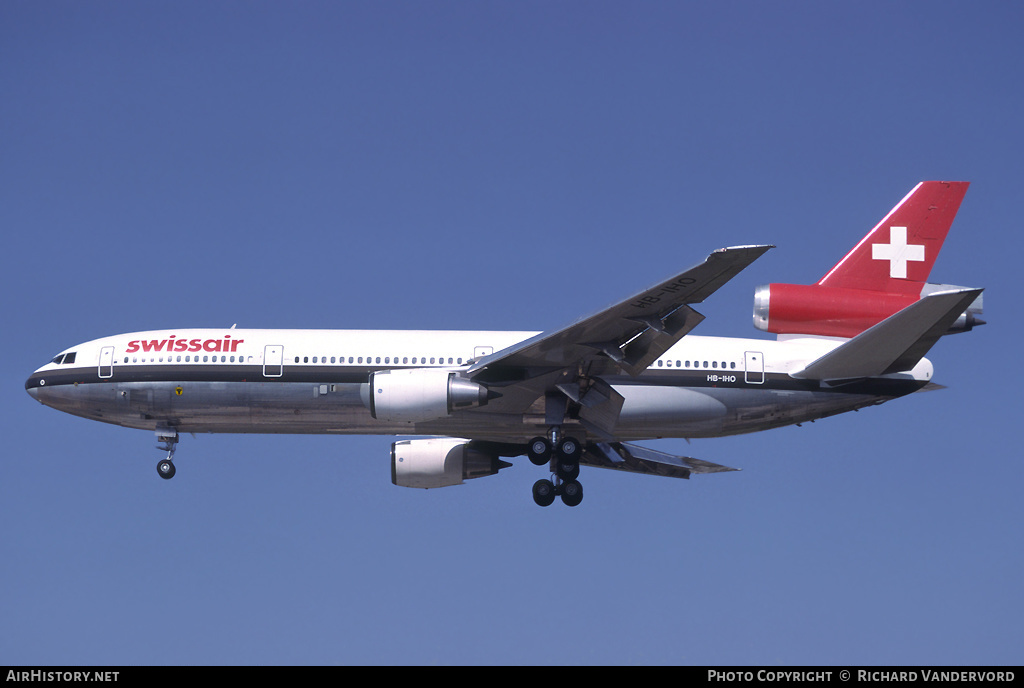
x: 649, y: 410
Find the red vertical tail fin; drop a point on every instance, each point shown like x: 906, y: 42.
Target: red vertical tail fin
x: 883, y: 274
x: 896, y: 256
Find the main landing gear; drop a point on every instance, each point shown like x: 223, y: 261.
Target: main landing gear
x: 564, y: 457
x: 165, y: 467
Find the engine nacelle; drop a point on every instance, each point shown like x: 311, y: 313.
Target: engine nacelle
x: 826, y: 311
x: 834, y: 311
x: 420, y: 394
x: 439, y: 462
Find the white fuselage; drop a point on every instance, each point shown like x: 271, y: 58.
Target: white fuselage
x: 314, y: 381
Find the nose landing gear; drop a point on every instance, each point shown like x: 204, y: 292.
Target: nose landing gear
x: 169, y: 439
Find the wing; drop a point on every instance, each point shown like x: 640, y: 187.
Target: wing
x: 629, y: 335
x: 633, y: 459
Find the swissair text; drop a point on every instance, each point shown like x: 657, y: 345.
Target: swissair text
x: 173, y: 344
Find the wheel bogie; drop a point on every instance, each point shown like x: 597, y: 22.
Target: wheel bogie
x: 564, y: 457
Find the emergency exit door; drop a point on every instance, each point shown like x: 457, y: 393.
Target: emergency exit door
x: 754, y: 364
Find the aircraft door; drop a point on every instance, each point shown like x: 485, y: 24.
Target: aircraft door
x: 106, y: 368
x: 273, y: 360
x: 754, y: 367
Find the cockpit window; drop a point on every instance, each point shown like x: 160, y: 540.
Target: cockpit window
x: 57, y: 359
x: 64, y: 358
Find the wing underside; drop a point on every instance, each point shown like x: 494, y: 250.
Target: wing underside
x: 635, y: 459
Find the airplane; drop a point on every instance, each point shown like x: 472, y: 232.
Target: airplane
x: 578, y: 396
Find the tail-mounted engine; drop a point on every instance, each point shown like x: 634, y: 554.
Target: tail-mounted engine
x: 420, y: 394
x: 838, y: 312
x: 440, y: 462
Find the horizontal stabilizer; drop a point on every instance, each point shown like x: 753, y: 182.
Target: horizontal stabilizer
x: 932, y: 387
x: 897, y: 343
x: 635, y: 459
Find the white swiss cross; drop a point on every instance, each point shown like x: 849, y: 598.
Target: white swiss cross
x: 897, y: 252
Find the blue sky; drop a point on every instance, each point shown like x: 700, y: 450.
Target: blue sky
x: 486, y: 165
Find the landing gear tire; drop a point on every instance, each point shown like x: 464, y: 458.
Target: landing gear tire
x: 569, y: 448
x: 544, y: 492
x: 572, y: 493
x: 567, y: 471
x: 567, y: 465
x: 165, y: 469
x: 539, y: 451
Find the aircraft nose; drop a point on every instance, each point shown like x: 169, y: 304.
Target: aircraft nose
x: 32, y: 386
x: 38, y: 386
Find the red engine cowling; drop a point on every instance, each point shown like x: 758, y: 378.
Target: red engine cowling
x: 840, y: 312
x: 826, y: 311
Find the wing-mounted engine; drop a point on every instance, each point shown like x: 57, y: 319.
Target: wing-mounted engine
x: 839, y: 312
x: 440, y: 462
x: 420, y: 394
